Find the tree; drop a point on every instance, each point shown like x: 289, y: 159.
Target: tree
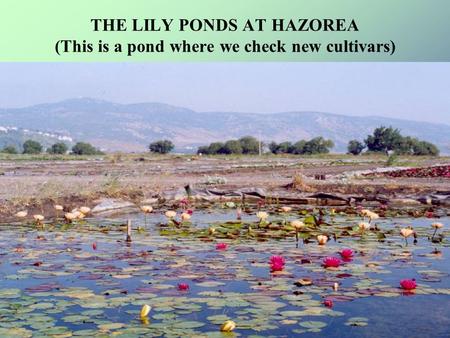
x: 355, y: 147
x: 232, y: 147
x: 424, y: 148
x: 249, y: 144
x: 299, y: 147
x: 83, y: 148
x: 9, y: 150
x: 384, y: 139
x: 285, y: 148
x: 318, y: 145
x: 32, y: 147
x: 58, y: 148
x: 161, y: 146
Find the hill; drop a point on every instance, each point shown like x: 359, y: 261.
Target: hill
x: 131, y: 127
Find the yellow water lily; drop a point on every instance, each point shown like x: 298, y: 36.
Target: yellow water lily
x: 211, y: 230
x: 145, y: 310
x: 228, y: 326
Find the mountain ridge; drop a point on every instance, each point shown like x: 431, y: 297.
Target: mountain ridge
x: 130, y: 127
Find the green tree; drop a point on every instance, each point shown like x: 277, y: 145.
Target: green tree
x: 424, y: 148
x: 9, y: 150
x: 232, y: 147
x: 384, y: 139
x: 249, y: 144
x: 318, y: 145
x: 285, y: 148
x: 355, y: 147
x: 58, y: 148
x: 299, y: 147
x: 83, y: 148
x: 161, y: 146
x: 273, y: 147
x: 203, y: 150
x: 32, y: 147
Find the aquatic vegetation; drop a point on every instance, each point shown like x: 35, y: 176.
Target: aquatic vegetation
x: 346, y: 254
x: 322, y: 239
x: 331, y: 262
x: 84, y: 278
x: 408, y: 284
x: 228, y: 326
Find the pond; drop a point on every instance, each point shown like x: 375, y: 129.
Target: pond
x: 84, y: 279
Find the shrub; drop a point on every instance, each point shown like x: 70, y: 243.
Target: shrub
x: 83, y: 148
x: 32, y: 147
x: 355, y: 147
x: 161, y: 146
x: 58, y: 148
x: 9, y: 150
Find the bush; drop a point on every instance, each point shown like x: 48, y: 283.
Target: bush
x: 161, y: 146
x: 389, y: 139
x: 355, y: 147
x: 83, y: 148
x: 32, y: 147
x: 9, y: 150
x: 58, y: 148
x: 249, y: 144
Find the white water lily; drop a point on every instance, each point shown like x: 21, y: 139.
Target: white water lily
x: 322, y: 239
x: 170, y: 214
x: 22, y: 214
x: 262, y: 215
x: 297, y: 224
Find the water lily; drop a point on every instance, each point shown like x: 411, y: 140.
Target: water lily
x: 146, y: 209
x: 297, y: 225
x: 262, y: 215
x: 328, y: 303
x: 238, y: 213
x: 38, y: 218
x: 228, y: 326
x: 363, y: 226
x: 69, y: 216
x: 145, y: 310
x: 183, y: 286
x: 185, y: 217
x: 436, y: 226
x: 277, y: 263
x: 85, y: 210
x: 346, y: 254
x: 331, y: 262
x: 335, y: 286
x: 170, y: 214
x: 286, y: 209
x: 58, y: 207
x: 211, y: 230
x: 221, y: 246
x: 322, y: 239
x: 406, y: 232
x: 408, y: 284
x: 94, y: 246
x: 22, y: 214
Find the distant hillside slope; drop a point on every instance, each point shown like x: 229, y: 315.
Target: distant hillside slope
x: 14, y: 136
x: 113, y: 126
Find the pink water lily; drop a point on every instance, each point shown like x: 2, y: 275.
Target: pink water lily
x: 346, y: 254
x: 183, y: 286
x: 221, y: 246
x: 408, y: 284
x: 331, y: 262
x: 277, y: 263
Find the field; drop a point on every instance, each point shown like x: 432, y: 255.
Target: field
x: 189, y: 246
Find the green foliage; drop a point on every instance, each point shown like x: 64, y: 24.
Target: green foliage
x: 355, y: 147
x: 161, y: 146
x: 58, y: 148
x: 392, y: 159
x: 83, y: 148
x: 32, y: 147
x: 9, y: 150
x: 245, y: 145
x: 250, y: 145
x: 389, y: 139
x: 317, y: 145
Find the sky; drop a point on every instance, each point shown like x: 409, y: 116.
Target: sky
x: 416, y: 91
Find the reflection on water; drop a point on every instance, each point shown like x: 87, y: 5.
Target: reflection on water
x: 84, y: 279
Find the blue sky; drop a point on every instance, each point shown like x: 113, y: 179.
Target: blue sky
x: 419, y: 91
